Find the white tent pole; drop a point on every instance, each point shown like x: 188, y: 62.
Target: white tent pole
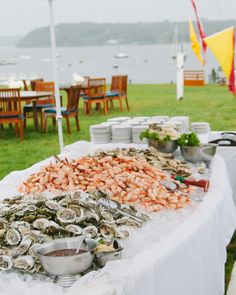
x: 55, y: 75
x: 180, y: 75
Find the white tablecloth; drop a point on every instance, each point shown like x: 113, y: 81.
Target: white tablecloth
x: 181, y: 252
x: 229, y: 155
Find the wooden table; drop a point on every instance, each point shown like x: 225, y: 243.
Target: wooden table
x: 34, y: 96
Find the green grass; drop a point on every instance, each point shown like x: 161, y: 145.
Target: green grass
x: 210, y: 103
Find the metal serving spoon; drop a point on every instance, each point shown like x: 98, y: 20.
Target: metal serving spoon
x: 80, y: 243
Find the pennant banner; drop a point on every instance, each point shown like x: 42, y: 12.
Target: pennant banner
x: 200, y: 28
x: 196, y: 47
x: 222, y: 46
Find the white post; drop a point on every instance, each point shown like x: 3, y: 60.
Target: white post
x: 55, y: 75
x: 180, y: 75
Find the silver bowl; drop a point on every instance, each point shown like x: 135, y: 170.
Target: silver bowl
x: 166, y: 147
x: 194, y: 154
x: 102, y: 258
x: 66, y: 268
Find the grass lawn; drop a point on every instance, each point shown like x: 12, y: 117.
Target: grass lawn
x: 209, y: 103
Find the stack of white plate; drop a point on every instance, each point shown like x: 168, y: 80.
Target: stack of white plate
x: 118, y: 119
x: 162, y: 118
x: 109, y: 123
x: 100, y: 134
x: 185, y: 120
x: 132, y: 122
x: 121, y: 133
x: 141, y: 118
x: 136, y: 130
x: 154, y: 121
x: 200, y: 127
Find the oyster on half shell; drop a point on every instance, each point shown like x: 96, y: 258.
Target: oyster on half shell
x: 13, y: 237
x: 24, y: 262
x: 90, y: 231
x: 41, y: 223
x: 5, y: 263
x: 65, y: 215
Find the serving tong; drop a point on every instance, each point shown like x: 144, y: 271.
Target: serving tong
x: 172, y: 186
x: 113, y: 205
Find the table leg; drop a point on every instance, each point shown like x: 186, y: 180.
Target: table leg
x: 35, y: 115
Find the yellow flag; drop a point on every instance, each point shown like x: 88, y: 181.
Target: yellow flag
x: 196, y: 47
x: 222, y: 46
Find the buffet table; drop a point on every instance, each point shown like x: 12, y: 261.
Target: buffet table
x: 177, y: 252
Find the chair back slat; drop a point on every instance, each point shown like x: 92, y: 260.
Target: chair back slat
x: 46, y: 86
x: 33, y: 83
x: 26, y: 88
x: 119, y: 84
x: 10, y: 104
x: 96, y: 88
x: 73, y: 99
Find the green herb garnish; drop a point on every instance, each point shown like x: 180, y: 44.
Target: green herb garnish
x: 190, y: 139
x: 154, y: 135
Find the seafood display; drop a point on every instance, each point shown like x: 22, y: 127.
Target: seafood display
x: 160, y: 160
x: 27, y: 221
x: 127, y: 176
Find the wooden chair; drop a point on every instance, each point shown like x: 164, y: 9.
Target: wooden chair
x: 96, y: 94
x: 10, y: 110
x: 26, y: 88
x: 119, y: 85
x: 41, y: 104
x: 33, y: 83
x: 72, y: 109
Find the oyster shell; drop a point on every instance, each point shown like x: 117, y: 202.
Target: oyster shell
x: 66, y: 216
x: 40, y: 198
x: 31, y: 208
x: 41, y: 223
x: 3, y: 226
x: 32, y: 250
x: 106, y: 215
x: 107, y: 230
x: 5, y: 263
x: 22, y: 226
x: 4, y: 210
x: 52, y: 205
x: 91, y: 217
x: 5, y: 252
x: 122, y: 232
x: 23, y: 247
x: 75, y: 229
x: 13, y: 237
x: 90, y: 231
x: 24, y: 262
x: 78, y: 195
x: 79, y: 212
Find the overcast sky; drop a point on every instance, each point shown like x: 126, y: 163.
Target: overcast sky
x: 18, y: 17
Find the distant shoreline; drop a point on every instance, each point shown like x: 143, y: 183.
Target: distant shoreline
x: 116, y: 34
